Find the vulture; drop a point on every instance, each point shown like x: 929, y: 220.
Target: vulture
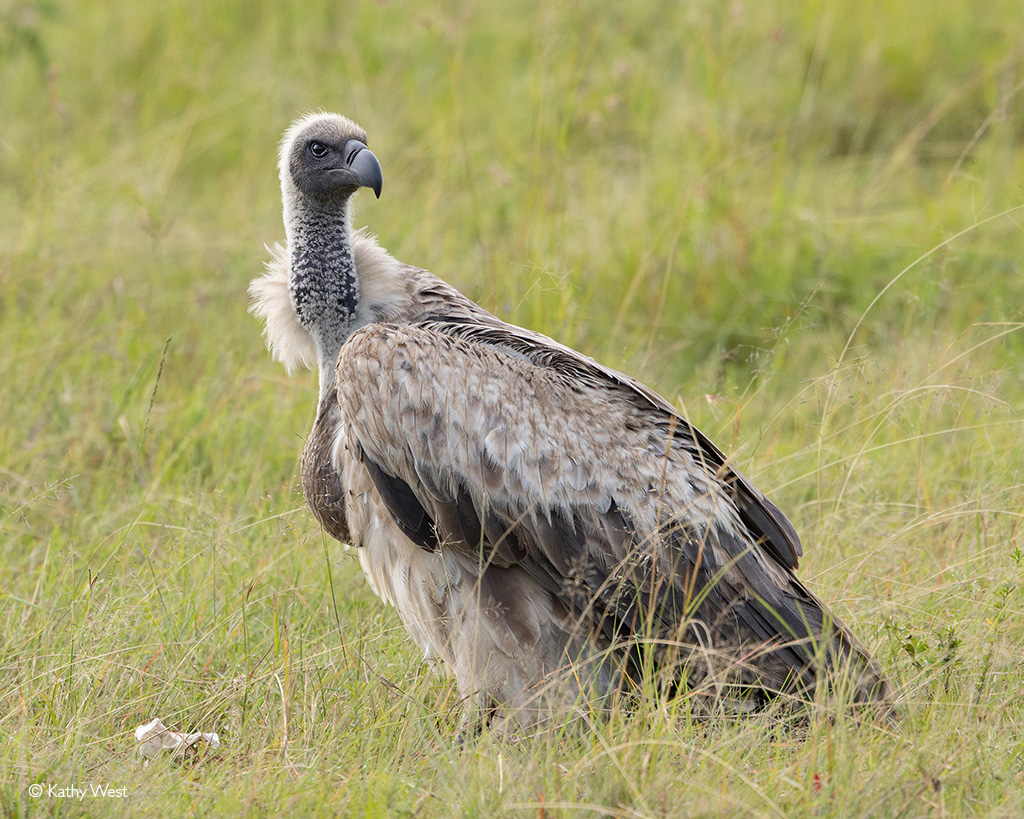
x: 554, y: 533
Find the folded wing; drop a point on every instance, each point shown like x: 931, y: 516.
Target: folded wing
x: 503, y: 445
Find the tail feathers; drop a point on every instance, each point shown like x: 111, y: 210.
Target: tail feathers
x: 796, y: 647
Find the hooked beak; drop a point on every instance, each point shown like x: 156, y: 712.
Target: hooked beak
x: 361, y: 167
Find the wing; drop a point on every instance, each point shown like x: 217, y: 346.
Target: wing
x: 764, y: 521
x: 517, y: 453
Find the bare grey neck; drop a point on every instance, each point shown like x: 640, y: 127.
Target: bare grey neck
x: 323, y: 285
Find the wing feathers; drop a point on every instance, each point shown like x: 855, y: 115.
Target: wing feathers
x: 764, y: 518
x: 403, y: 505
x: 551, y: 465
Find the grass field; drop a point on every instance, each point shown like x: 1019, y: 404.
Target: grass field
x: 804, y: 224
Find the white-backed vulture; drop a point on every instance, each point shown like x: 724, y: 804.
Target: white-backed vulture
x: 548, y: 529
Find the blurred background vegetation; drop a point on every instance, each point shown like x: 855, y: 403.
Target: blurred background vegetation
x: 801, y: 221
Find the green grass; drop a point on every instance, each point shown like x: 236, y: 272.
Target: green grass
x: 802, y: 223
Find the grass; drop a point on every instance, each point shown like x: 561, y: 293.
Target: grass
x: 803, y: 224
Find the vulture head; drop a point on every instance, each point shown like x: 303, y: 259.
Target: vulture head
x: 324, y: 159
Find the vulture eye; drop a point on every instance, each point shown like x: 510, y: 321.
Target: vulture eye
x: 318, y: 149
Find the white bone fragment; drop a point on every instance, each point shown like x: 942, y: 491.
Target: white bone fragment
x: 154, y: 737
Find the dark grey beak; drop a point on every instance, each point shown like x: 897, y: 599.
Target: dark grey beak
x: 363, y: 166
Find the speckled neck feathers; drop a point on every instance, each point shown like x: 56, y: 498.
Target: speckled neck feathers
x: 323, y: 285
